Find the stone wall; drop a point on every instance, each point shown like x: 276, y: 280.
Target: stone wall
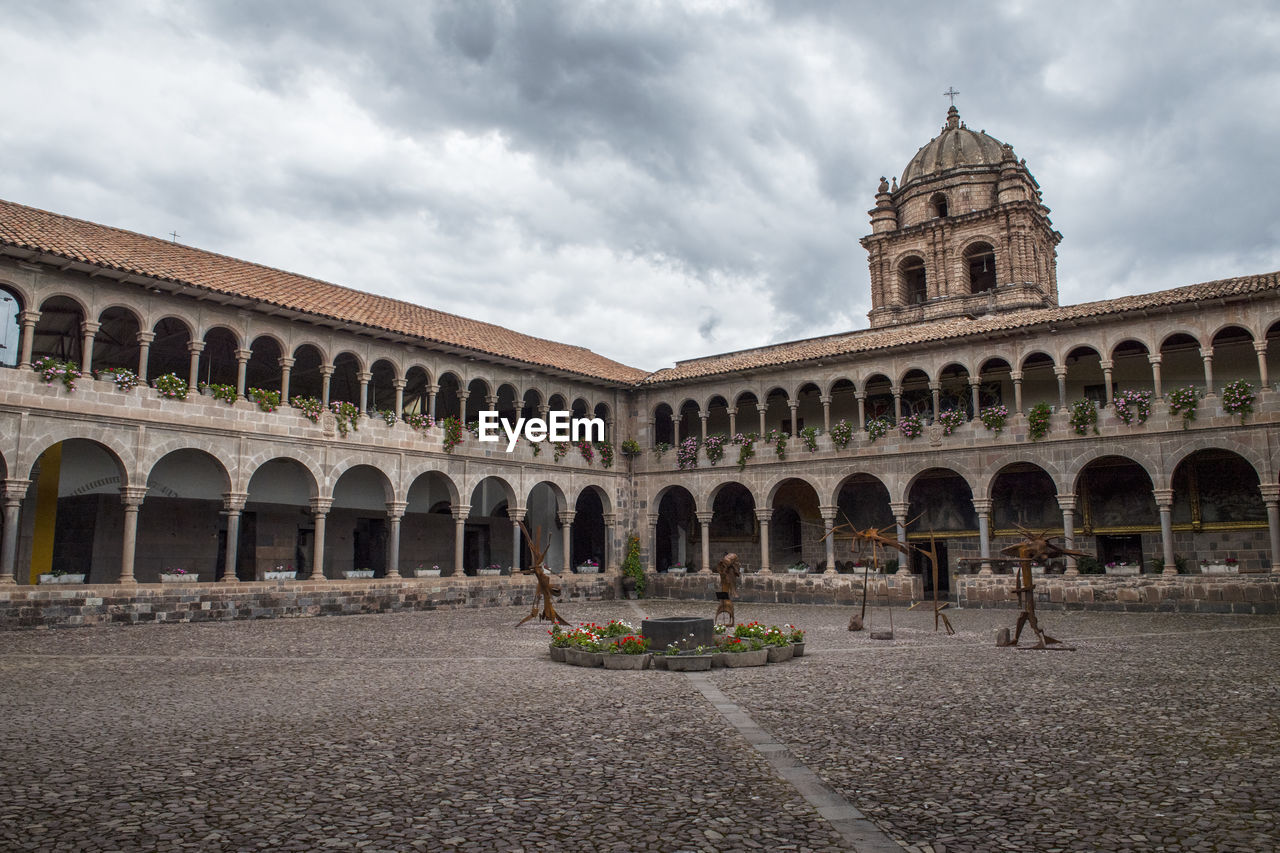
x: 1253, y: 593
x: 788, y: 589
x: 99, y: 604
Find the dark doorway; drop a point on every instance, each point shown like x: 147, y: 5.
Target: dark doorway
x: 1120, y: 549
x: 246, y: 549
x: 369, y: 545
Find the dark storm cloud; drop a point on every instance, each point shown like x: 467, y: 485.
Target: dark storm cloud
x: 654, y: 181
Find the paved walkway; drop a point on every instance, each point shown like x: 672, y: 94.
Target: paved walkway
x: 451, y: 731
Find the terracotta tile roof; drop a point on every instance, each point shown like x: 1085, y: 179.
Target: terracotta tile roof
x: 127, y: 252
x: 954, y: 328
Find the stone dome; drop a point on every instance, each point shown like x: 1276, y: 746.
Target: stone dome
x: 956, y: 147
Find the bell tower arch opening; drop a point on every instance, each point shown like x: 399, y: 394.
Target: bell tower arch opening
x: 912, y: 280
x: 980, y: 262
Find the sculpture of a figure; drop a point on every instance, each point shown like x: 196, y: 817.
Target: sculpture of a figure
x: 546, y: 589
x: 1040, y: 548
x: 730, y: 571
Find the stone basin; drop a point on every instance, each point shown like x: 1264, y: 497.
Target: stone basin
x: 666, y: 630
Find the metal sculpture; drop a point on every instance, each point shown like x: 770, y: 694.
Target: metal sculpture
x: 877, y: 539
x: 932, y: 556
x: 546, y: 589
x: 730, y: 571
x: 1034, y: 546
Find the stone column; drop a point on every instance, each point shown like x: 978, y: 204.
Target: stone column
x: 232, y: 505
x: 702, y: 416
x: 983, y: 510
x: 1164, y: 501
x: 974, y: 386
x: 1206, y: 353
x: 286, y: 375
x: 131, y: 497
x: 794, y: 406
x: 1260, y: 347
x: 516, y: 514
x: 1016, y: 376
x: 676, y: 419
x: 704, y: 519
x: 899, y: 509
x: 566, y: 538
x: 896, y: 390
x: 828, y: 523
x: 28, y: 320
x: 193, y: 373
x: 1154, y: 361
x: 144, y: 353
x: 762, y: 408
x: 14, y: 493
x: 491, y: 403
x: 606, y: 559
x: 242, y: 370
x: 1067, y: 503
x: 1061, y: 373
x: 463, y: 394
x: 364, y: 376
x: 400, y: 385
x: 733, y: 421
x: 326, y: 373
x: 1270, y: 497
x: 653, y: 543
x: 460, y: 514
x: 319, y: 511
x: 1106, y: 380
x: 862, y: 410
x: 395, y: 512
x: 825, y: 400
x: 432, y: 391
x: 88, y: 330
x: 935, y: 391
x: 764, y: 516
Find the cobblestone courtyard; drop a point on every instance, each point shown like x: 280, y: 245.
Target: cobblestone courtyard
x: 451, y: 731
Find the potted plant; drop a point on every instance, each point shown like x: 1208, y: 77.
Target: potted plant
x: 583, y: 648
x: 744, y: 651
x: 798, y: 568
x: 490, y: 570
x: 697, y: 659
x: 559, y: 644
x: 589, y: 566
x: 280, y: 573
x: 1121, y: 568
x: 422, y: 572
x: 778, y: 644
x: 353, y: 574
x: 633, y: 579
x: 629, y: 652
x: 178, y: 576
x: 676, y: 569
x: 61, y: 576
x: 797, y: 640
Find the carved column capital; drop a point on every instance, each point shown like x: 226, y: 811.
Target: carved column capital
x: 234, y: 501
x: 566, y: 516
x: 1067, y: 502
x: 460, y: 513
x: 704, y: 517
x: 1164, y: 498
x: 321, y: 506
x: 764, y: 515
x: 395, y: 509
x: 132, y: 496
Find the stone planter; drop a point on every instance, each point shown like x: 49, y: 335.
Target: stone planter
x: 1123, y: 571
x: 488, y: 572
x: 189, y: 577
x: 620, y: 661
x: 558, y: 654
x: 689, y: 663
x: 676, y: 572
x: 756, y: 658
x: 797, y: 650
x: 778, y: 654
x: 354, y: 574
x: 588, y: 570
x: 68, y: 578
x: 426, y: 573
x: 719, y: 658
x: 797, y: 571
x: 577, y: 657
x: 1220, y: 569
x: 659, y: 662
x: 279, y: 576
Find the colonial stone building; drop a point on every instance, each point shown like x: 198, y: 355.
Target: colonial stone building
x: 880, y: 427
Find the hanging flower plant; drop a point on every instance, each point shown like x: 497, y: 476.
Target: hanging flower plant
x: 268, y: 401
x: 419, y: 421
x: 1084, y: 417
x: 714, y: 448
x: 1038, y: 421
x: 309, y: 407
x: 124, y: 378
x: 842, y: 434
x: 473, y: 427
x: 605, y: 449
x: 630, y: 448
x: 910, y: 426
x: 171, y: 387
x: 660, y: 448
x: 1237, y: 398
x: 588, y: 452
x: 1183, y: 401
x: 561, y: 448
x: 778, y: 439
x: 687, y: 454
x: 51, y: 368
x: 388, y: 417
x: 347, y: 416
x: 1132, y: 406
x: 878, y: 428
x: 225, y: 393
x: 809, y: 435
x: 746, y: 448
x: 536, y: 446
x: 994, y: 418
x: 452, y: 433
x: 951, y: 420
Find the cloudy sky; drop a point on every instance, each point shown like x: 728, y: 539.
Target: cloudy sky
x: 655, y: 181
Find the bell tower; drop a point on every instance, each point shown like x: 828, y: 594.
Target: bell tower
x: 965, y: 233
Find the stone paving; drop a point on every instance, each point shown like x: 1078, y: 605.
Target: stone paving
x: 451, y: 731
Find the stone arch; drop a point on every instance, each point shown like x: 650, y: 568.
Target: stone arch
x: 382, y: 386
x: 664, y: 424
x: 170, y: 349
x: 448, y: 404
x: 427, y: 529
x: 219, y: 451
x: 115, y: 344
x: 263, y: 368
x: 479, y: 390
x: 1131, y: 366
x: 58, y: 331
x: 1262, y: 466
x: 279, y: 493
x: 917, y: 397
x: 940, y: 499
x: 1218, y: 510
x: 688, y: 422
x: 357, y: 529
x: 344, y: 384
x: 733, y: 528
x: 796, y: 525
x: 544, y: 502
x: 878, y: 393
x: 938, y: 207
x: 979, y: 259
x: 121, y: 454
x: 1085, y: 378
x: 1081, y: 457
x: 1023, y: 493
x: 913, y: 281
x: 488, y: 533
x: 509, y: 403
x: 587, y: 538
x: 531, y: 402
x: 282, y: 453
x: 12, y: 303
x: 218, y: 364
x: 180, y: 524
x: 417, y: 391
x: 1234, y: 357
x: 677, y: 527
x: 306, y: 379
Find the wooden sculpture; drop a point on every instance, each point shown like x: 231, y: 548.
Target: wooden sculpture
x: 932, y: 556
x: 1034, y: 546
x: 877, y: 539
x: 730, y: 571
x: 546, y: 589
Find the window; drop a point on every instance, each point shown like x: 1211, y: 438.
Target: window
x: 980, y: 259
x: 938, y: 206
x: 912, y: 276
